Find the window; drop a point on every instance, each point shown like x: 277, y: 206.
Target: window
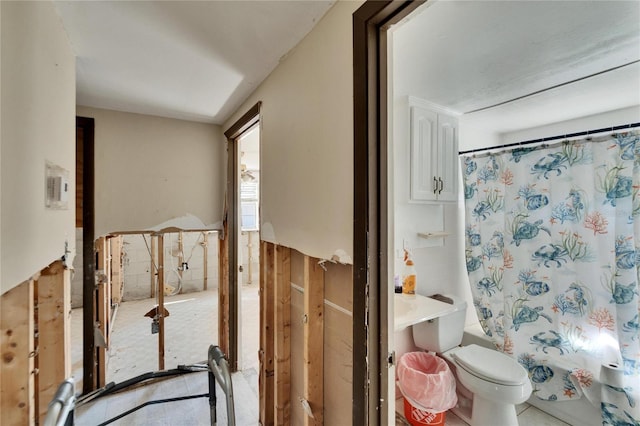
x: 249, y: 205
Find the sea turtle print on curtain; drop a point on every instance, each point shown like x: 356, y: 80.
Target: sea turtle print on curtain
x: 553, y: 255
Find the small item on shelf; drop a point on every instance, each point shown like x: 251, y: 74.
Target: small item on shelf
x: 397, y: 284
x: 409, y: 275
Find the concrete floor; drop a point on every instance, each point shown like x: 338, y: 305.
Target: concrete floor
x: 190, y: 329
x: 185, y: 412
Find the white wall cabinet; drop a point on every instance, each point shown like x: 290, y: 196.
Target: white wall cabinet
x: 434, y: 154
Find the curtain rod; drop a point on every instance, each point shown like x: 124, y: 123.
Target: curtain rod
x: 566, y: 83
x: 551, y: 138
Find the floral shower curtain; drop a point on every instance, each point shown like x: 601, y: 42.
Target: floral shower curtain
x: 553, y: 256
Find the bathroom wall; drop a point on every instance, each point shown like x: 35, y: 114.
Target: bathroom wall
x: 598, y: 121
x: 441, y: 269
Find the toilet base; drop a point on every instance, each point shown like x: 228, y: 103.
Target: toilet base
x: 486, y: 412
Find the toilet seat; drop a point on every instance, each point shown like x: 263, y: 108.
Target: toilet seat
x: 490, y: 365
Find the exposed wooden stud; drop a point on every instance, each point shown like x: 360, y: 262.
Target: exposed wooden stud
x: 36, y: 343
x: 223, y: 291
x: 282, y: 349
x: 117, y: 281
x: 16, y: 343
x: 313, y: 340
x: 262, y: 388
x: 297, y: 337
x: 160, y: 302
x: 103, y: 308
x: 205, y: 257
x: 265, y: 376
x: 152, y: 267
x: 54, y: 332
x: 180, y: 257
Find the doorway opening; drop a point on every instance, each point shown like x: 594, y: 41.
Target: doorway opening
x: 230, y: 323
x: 249, y: 247
x: 83, y: 263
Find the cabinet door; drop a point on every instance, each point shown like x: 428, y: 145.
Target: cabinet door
x: 448, y: 157
x: 424, y: 151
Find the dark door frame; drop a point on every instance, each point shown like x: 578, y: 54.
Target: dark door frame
x: 88, y: 256
x: 370, y: 246
x: 246, y: 122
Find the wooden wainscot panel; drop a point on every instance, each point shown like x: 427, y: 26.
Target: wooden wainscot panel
x: 17, y: 386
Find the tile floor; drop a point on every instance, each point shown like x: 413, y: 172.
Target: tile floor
x: 527, y: 416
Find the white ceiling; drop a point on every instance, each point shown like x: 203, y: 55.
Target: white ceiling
x: 199, y: 60
x: 192, y: 60
x: 468, y: 55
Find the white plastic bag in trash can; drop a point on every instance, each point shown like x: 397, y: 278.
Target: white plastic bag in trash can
x: 426, y: 381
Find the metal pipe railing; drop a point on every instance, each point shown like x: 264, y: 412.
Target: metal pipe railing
x: 219, y: 370
x: 62, y: 405
x: 61, y: 408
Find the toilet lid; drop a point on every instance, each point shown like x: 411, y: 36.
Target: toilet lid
x: 490, y: 365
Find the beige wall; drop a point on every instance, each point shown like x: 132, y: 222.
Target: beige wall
x: 307, y: 141
x: 150, y: 169
x: 38, y: 117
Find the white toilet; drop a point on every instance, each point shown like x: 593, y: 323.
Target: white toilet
x: 496, y: 381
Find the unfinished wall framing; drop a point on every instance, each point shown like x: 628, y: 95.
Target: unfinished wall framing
x: 190, y: 262
x: 149, y: 261
x: 305, y: 339
x: 35, y: 343
x: 108, y: 295
x: 103, y: 307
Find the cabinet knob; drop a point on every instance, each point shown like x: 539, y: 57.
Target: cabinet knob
x: 441, y: 185
x: 435, y: 185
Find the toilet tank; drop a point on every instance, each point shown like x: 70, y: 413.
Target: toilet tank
x: 445, y: 332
